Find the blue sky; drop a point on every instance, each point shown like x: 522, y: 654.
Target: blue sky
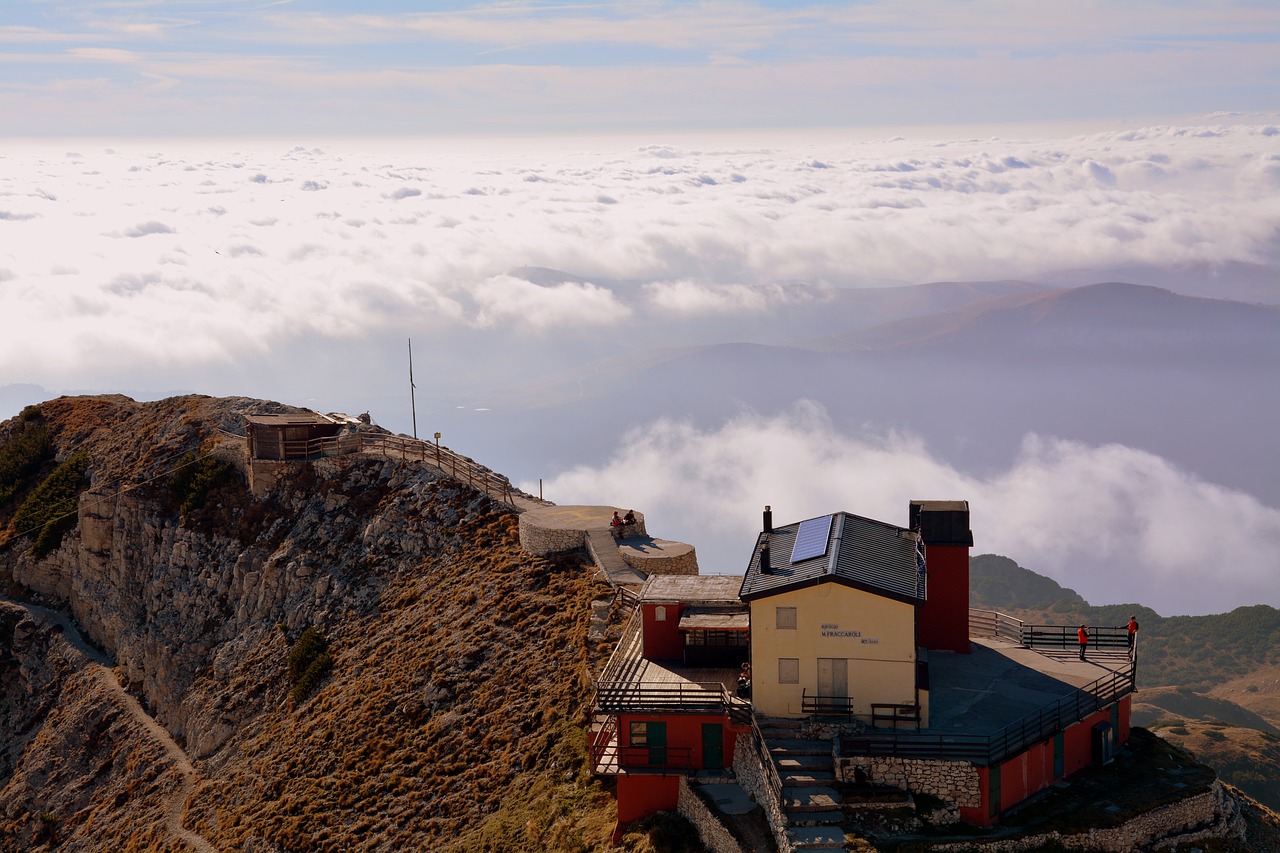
x: 150, y: 67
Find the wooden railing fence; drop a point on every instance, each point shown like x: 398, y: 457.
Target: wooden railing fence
x: 453, y: 464
x: 992, y: 623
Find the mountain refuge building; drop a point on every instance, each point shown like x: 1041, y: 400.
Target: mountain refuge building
x: 864, y: 666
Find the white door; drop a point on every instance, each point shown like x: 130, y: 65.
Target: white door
x: 833, y: 683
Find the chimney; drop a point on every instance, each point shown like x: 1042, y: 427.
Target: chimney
x: 765, y: 566
x: 768, y: 519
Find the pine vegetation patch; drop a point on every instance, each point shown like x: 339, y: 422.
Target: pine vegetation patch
x: 21, y: 457
x: 195, y: 478
x: 309, y: 663
x: 50, y: 511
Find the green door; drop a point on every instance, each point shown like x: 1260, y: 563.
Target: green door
x: 1059, y: 755
x: 657, y: 744
x: 712, y: 746
x: 993, y: 791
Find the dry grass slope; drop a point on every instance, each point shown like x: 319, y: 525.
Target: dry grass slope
x: 464, y: 677
x: 454, y: 714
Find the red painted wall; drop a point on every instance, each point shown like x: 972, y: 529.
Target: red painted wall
x: 683, y: 731
x: 1032, y: 771
x: 661, y: 640
x: 1079, y: 742
x: 1024, y: 775
x: 943, y: 621
x: 640, y: 795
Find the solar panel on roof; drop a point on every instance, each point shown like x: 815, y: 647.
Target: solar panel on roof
x: 811, y: 539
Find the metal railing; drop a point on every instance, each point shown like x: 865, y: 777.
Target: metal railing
x: 636, y: 697
x: 992, y: 623
x: 772, y: 780
x: 827, y: 706
x: 987, y: 750
x: 656, y: 759
x: 1065, y: 637
x: 604, y: 740
x: 625, y: 652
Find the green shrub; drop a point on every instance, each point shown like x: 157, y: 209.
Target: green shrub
x: 195, y: 477
x: 21, y: 456
x: 309, y: 663
x: 50, y: 511
x: 311, y: 677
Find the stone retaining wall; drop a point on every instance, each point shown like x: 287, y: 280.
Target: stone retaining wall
x: 1213, y: 814
x: 953, y: 781
x: 751, y: 776
x: 715, y: 837
x: 665, y: 564
x: 541, y: 541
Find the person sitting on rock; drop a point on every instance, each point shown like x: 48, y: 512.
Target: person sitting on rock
x: 615, y: 523
x: 630, y: 517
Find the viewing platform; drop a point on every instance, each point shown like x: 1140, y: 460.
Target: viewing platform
x: 627, y: 554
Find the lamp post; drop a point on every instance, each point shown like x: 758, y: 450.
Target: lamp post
x: 438, y: 451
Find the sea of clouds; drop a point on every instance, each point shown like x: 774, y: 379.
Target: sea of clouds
x: 152, y: 267
x: 111, y: 259
x: 1114, y: 523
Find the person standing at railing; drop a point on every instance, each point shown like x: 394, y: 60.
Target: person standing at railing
x: 1082, y: 635
x: 1133, y: 634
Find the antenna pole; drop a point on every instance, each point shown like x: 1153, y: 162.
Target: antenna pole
x: 413, y: 405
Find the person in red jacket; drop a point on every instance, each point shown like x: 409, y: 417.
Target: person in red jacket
x: 1133, y: 634
x: 1083, y: 636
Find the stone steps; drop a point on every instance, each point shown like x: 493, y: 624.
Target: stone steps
x: 787, y: 748
x: 827, y: 818
x: 816, y: 837
x: 808, y: 798
x: 807, y: 778
x: 805, y: 758
x: 809, y: 802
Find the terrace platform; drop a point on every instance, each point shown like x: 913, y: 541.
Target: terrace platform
x: 999, y: 683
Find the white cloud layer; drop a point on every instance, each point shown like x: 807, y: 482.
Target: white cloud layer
x: 127, y: 258
x: 1114, y: 523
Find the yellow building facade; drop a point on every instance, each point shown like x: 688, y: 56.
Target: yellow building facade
x: 828, y: 643
x: 833, y: 603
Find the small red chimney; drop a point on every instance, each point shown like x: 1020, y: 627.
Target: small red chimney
x: 943, y: 619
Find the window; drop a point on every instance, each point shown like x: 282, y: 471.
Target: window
x: 787, y: 618
x: 788, y: 670
x: 639, y: 734
x: 706, y: 637
x: 659, y: 614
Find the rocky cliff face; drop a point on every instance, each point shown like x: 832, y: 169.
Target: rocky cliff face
x: 456, y: 657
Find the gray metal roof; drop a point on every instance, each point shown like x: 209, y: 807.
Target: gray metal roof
x: 715, y: 620
x: 691, y: 588
x: 290, y: 419
x: 861, y: 552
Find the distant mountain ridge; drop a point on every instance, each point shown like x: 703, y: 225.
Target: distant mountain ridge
x: 1104, y: 363
x: 1096, y: 322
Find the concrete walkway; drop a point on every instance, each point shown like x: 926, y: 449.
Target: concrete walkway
x: 603, y: 548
